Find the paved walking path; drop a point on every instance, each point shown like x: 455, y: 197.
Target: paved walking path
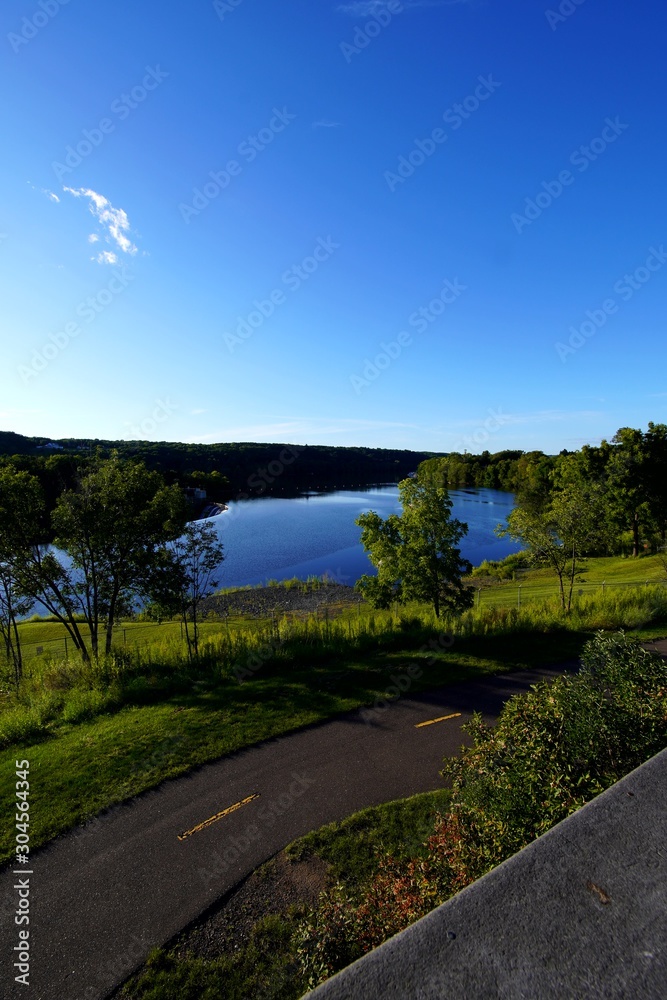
x: 107, y: 893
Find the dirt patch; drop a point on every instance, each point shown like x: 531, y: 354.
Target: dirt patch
x: 272, y: 889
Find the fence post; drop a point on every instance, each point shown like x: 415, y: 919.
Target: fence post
x: 603, y: 586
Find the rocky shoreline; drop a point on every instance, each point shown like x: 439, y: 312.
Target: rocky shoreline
x: 263, y: 601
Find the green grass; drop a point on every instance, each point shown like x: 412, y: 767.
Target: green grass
x: 616, y: 572
x: 80, y: 769
x: 353, y: 846
x: 264, y: 966
x: 41, y: 640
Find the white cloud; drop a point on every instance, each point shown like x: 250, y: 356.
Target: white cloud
x: 114, y: 222
x: 93, y: 238
x: 49, y: 194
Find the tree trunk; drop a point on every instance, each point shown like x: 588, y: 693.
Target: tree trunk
x: 17, y: 652
x: 573, y: 570
x: 562, y: 589
x: 112, y: 615
x: 635, y: 535
x: 195, y: 638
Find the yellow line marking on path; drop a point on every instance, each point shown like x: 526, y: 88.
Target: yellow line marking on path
x: 214, y: 819
x: 443, y: 718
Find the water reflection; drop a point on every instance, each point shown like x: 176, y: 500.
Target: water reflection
x: 314, y: 533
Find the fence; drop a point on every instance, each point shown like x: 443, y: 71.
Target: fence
x: 137, y: 635
x: 516, y: 595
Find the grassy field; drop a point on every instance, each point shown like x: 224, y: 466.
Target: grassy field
x: 595, y: 576
x: 43, y: 639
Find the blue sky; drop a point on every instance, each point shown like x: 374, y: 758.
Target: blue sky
x: 432, y: 225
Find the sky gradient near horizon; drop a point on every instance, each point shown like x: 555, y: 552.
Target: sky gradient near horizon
x: 434, y: 224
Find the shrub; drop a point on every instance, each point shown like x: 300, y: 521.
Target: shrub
x: 21, y: 725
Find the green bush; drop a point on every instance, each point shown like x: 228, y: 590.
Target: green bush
x: 82, y: 705
x: 21, y: 725
x: 503, y: 569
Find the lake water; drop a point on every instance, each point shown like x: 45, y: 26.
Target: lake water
x: 275, y: 538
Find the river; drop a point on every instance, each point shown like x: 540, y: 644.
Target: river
x: 276, y: 538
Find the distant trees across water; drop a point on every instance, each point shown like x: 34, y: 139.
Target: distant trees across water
x: 227, y: 471
x: 619, y: 485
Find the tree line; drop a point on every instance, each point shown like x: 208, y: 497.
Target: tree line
x: 224, y: 470
x: 120, y: 538
x: 619, y: 486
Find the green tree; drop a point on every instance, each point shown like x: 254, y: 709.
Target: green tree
x: 13, y: 606
x: 416, y: 552
x: 627, y: 473
x: 21, y: 507
x: 113, y: 527
x: 197, y: 555
x: 573, y: 523
x: 655, y: 441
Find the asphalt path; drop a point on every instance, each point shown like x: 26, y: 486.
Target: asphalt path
x: 104, y: 895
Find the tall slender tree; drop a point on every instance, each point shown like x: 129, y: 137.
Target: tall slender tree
x: 197, y: 557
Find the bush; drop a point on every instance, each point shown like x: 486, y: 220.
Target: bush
x: 21, y: 725
x: 503, y: 569
x: 83, y: 705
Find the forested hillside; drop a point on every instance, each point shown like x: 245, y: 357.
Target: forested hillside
x: 225, y: 470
